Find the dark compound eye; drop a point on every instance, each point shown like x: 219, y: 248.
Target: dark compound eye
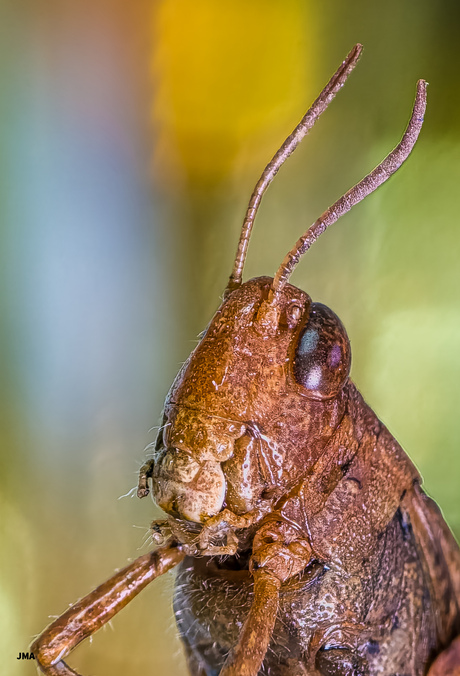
x: 323, y: 355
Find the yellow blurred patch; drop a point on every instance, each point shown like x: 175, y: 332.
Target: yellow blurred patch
x: 227, y: 74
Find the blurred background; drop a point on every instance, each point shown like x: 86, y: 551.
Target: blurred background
x: 131, y: 136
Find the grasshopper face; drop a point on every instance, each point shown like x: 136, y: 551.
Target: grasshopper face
x: 254, y: 404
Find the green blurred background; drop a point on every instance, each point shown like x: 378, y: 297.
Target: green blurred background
x: 131, y: 137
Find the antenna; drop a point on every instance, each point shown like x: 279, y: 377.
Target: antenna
x: 365, y: 187
x: 306, y: 123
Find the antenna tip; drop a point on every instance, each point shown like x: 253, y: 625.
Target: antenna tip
x: 353, y: 57
x: 420, y: 99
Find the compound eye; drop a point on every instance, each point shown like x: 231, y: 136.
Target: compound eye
x: 323, y: 355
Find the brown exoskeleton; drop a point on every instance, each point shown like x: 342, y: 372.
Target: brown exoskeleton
x: 305, y: 542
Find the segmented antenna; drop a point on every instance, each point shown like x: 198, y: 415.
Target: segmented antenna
x: 356, y: 194
x: 319, y: 106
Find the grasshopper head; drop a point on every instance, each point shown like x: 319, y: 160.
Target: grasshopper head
x: 263, y: 392
x: 253, y: 405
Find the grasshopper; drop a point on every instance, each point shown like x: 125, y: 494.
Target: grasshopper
x: 303, y: 539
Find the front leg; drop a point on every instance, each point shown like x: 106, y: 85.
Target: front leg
x: 279, y: 553
x: 280, y: 549
x: 93, y: 611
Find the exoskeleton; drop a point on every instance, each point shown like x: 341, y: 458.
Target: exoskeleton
x: 304, y: 541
